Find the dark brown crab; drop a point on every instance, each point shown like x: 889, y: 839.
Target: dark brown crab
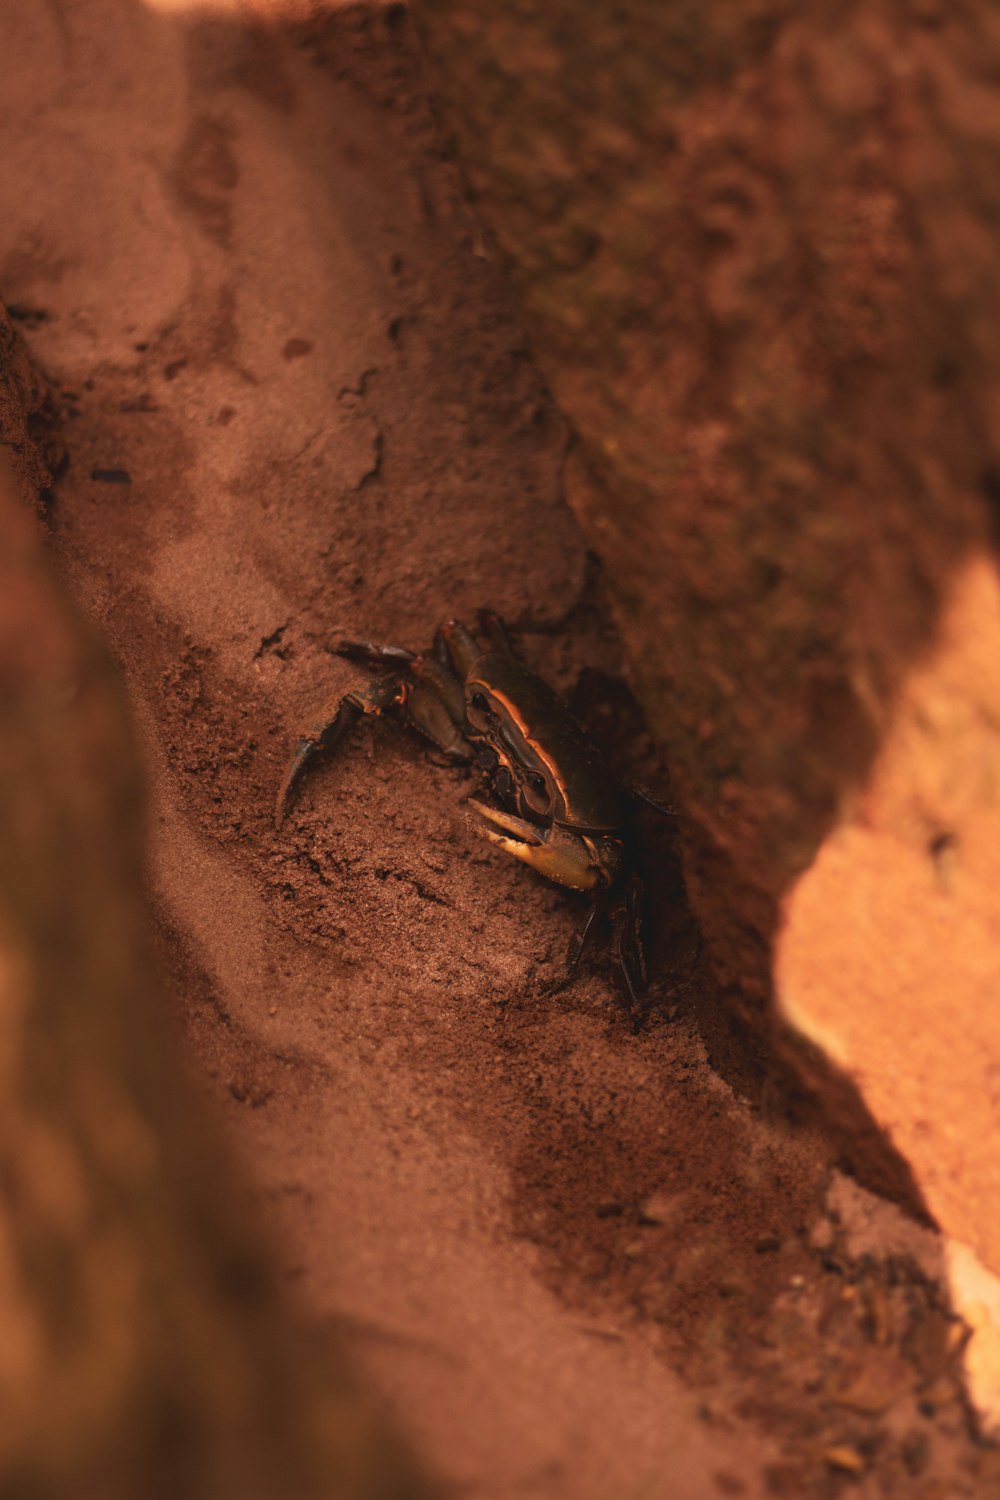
x: 557, y: 806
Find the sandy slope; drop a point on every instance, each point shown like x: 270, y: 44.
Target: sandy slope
x: 298, y: 406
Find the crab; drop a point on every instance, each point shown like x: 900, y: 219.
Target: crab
x: 554, y: 803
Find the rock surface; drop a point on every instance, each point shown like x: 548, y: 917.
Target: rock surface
x: 756, y: 254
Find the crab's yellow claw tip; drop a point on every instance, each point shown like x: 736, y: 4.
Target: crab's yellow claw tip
x: 558, y: 855
x: 526, y: 832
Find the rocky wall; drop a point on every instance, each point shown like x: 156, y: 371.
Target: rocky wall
x: 755, y: 247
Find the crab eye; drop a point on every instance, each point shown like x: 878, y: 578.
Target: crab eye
x: 479, y: 703
x: 535, y: 793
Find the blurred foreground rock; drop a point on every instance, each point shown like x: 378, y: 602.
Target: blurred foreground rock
x: 756, y: 248
x: 27, y: 432
x: 145, y: 1351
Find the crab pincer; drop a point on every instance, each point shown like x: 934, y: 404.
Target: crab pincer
x: 561, y: 856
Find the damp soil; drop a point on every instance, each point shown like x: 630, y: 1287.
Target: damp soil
x: 298, y: 406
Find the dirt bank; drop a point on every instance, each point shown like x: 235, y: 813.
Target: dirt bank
x: 298, y: 405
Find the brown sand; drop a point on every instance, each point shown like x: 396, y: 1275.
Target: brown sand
x: 298, y: 406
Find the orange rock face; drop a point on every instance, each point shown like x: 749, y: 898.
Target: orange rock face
x: 889, y: 953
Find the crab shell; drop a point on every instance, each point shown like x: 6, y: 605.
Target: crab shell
x: 572, y: 807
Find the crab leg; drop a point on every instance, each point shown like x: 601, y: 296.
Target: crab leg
x: 626, y: 943
x: 493, y: 625
x: 433, y: 702
x: 578, y: 941
x: 641, y: 794
x: 432, y: 715
x: 331, y: 726
x: 462, y: 648
x: 435, y: 674
x: 375, y: 655
x: 554, y: 852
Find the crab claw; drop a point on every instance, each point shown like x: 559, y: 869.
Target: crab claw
x: 303, y: 752
x: 554, y: 852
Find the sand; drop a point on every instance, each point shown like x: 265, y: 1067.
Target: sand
x: 298, y: 406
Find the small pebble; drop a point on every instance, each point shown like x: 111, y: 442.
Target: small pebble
x: 609, y: 1209
x: 845, y: 1458
x: 822, y: 1234
x: 658, y: 1208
